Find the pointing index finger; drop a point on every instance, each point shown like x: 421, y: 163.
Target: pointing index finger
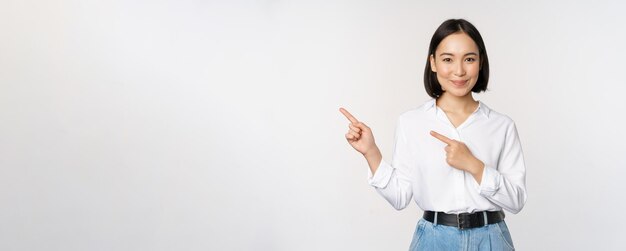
x: 443, y: 139
x: 348, y: 115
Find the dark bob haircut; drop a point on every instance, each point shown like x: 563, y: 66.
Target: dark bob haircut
x: 451, y: 26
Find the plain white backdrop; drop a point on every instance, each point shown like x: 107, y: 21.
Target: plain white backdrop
x: 214, y: 125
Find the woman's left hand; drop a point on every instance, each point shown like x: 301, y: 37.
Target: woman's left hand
x: 460, y: 157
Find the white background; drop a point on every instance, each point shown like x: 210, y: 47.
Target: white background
x: 195, y: 125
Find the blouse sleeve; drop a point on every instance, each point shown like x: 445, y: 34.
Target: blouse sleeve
x: 392, y: 180
x: 505, y: 184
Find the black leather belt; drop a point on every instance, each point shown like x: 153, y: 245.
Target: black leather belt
x: 464, y: 220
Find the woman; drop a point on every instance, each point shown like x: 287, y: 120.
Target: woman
x: 459, y: 160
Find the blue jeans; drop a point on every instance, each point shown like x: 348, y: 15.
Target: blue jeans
x: 439, y: 237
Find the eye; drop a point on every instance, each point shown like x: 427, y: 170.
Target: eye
x: 447, y: 60
x: 470, y: 59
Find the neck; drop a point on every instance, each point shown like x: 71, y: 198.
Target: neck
x: 451, y: 103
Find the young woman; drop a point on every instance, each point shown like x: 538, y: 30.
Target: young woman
x: 459, y: 160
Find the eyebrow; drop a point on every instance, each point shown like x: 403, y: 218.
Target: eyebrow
x: 466, y: 54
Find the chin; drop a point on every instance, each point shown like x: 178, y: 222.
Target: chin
x: 459, y: 93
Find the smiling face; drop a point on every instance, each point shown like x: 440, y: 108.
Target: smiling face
x: 457, y: 64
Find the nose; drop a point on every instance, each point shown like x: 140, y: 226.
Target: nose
x: 459, y: 69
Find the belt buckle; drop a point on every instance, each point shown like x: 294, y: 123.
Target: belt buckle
x: 462, y: 220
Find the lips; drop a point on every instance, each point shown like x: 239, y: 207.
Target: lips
x: 458, y: 83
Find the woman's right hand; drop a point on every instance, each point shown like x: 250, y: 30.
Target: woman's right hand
x: 360, y: 135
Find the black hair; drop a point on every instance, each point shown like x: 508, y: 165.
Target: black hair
x: 451, y: 26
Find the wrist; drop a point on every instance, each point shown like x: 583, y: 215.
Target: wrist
x: 373, y: 158
x: 477, y: 167
x: 373, y: 153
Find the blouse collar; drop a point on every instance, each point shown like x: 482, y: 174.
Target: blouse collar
x: 482, y: 108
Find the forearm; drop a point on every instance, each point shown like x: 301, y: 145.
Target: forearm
x: 507, y: 190
x: 392, y: 183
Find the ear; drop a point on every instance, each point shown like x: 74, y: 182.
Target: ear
x: 433, y: 67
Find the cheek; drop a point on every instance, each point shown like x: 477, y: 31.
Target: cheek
x: 442, y: 77
x: 474, y: 70
x: 443, y: 70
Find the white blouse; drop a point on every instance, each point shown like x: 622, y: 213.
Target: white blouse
x: 419, y: 169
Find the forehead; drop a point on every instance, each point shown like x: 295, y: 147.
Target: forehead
x: 457, y: 43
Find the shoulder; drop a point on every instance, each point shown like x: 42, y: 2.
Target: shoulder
x: 497, y: 118
x: 417, y: 112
